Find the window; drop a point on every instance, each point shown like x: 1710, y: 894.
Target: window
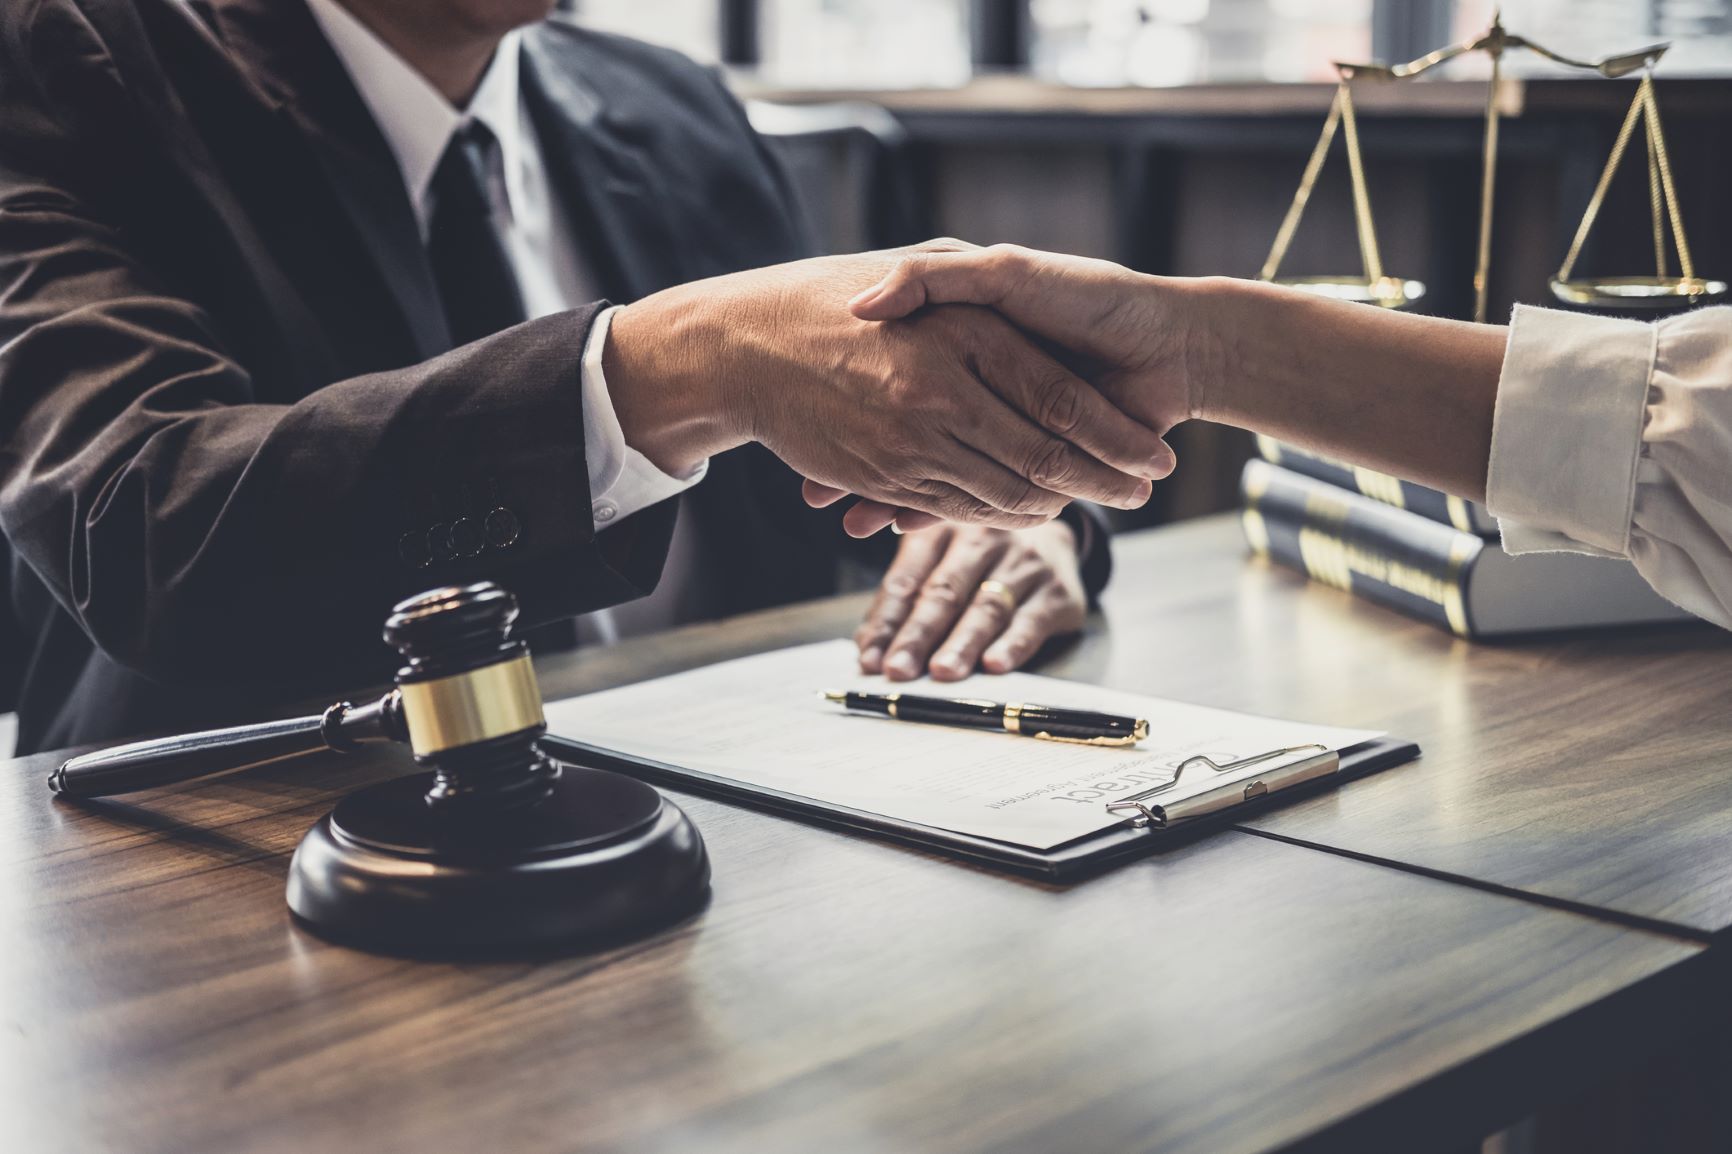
x: 1700, y: 32
x: 1167, y: 42
x: 925, y: 43
x: 865, y: 43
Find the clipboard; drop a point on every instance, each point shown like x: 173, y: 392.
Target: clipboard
x: 1239, y: 790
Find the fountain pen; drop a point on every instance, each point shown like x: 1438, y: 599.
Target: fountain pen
x: 1047, y: 722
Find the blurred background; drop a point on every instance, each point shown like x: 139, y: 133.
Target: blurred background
x: 1169, y: 135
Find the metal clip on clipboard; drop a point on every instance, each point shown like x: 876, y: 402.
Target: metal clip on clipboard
x: 1236, y: 782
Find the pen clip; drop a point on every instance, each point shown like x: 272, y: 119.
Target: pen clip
x: 1140, y: 813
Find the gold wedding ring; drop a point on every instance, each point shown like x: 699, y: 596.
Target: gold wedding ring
x: 1001, y: 591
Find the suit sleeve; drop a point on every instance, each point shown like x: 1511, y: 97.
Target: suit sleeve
x: 196, y: 532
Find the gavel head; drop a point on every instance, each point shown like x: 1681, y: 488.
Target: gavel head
x: 468, y: 696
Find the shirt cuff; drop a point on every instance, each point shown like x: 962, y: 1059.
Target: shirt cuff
x: 621, y: 479
x: 1567, y: 431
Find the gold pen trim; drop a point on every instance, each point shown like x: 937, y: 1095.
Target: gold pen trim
x: 893, y: 699
x: 1013, y: 718
x: 1141, y: 731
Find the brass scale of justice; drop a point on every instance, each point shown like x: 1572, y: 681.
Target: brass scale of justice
x: 1661, y: 292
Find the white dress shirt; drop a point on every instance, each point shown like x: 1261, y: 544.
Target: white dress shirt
x: 418, y: 123
x: 1615, y: 438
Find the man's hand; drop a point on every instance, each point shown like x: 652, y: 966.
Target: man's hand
x: 1127, y: 333
x: 933, y: 613
x: 954, y: 413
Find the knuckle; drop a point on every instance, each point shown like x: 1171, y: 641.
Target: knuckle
x: 900, y: 584
x: 909, y: 263
x: 1024, y: 498
x: 875, y: 481
x: 939, y: 407
x: 928, y: 486
x: 965, y: 509
x: 941, y: 591
x: 1051, y: 466
x: 1056, y: 403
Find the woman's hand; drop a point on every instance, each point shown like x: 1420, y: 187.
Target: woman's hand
x: 958, y: 596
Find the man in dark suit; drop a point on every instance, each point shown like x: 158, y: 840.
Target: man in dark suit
x: 303, y: 307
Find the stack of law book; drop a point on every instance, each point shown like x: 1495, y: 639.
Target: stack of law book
x: 1429, y: 555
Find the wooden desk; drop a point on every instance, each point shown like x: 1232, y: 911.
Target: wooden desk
x: 1594, y: 771
x: 1237, y: 995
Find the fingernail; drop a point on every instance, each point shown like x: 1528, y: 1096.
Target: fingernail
x: 949, y: 663
x: 901, y: 664
x: 871, y: 656
x: 866, y: 296
x: 895, y: 528
x: 1145, y: 490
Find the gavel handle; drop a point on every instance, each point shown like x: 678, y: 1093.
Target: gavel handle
x: 215, y: 752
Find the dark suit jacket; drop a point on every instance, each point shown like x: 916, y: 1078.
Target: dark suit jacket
x: 233, y: 430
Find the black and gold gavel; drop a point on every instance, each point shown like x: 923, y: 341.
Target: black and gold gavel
x: 496, y: 846
x: 464, y: 685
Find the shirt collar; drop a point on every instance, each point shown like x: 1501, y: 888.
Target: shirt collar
x: 415, y: 118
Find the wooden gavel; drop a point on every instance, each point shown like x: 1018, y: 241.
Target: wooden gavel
x: 464, y: 687
x: 499, y: 847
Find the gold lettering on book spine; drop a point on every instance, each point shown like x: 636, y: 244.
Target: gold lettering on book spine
x: 1459, y: 514
x: 1256, y: 531
x: 1332, y: 560
x: 1379, y: 487
x: 1461, y: 554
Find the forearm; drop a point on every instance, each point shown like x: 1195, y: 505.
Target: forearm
x: 1409, y: 395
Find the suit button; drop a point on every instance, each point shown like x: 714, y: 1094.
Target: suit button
x: 412, y: 548
x: 501, y: 527
x: 605, y: 511
x: 465, y: 537
x: 439, y: 542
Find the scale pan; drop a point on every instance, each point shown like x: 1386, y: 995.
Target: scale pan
x: 1639, y: 292
x: 1387, y: 292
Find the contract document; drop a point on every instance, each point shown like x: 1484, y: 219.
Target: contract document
x: 762, y: 721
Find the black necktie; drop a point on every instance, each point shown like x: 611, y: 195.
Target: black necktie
x: 470, y: 264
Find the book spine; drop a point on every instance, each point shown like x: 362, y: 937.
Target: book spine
x: 1427, y: 502
x: 1340, y: 538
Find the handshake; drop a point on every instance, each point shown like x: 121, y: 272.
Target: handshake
x: 882, y: 375
x: 990, y: 387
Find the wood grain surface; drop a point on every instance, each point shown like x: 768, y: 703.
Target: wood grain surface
x: 1239, y: 994
x: 1594, y: 769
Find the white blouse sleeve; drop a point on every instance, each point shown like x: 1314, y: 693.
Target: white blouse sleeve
x: 1615, y: 437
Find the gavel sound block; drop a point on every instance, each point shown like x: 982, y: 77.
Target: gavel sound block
x: 497, y: 847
